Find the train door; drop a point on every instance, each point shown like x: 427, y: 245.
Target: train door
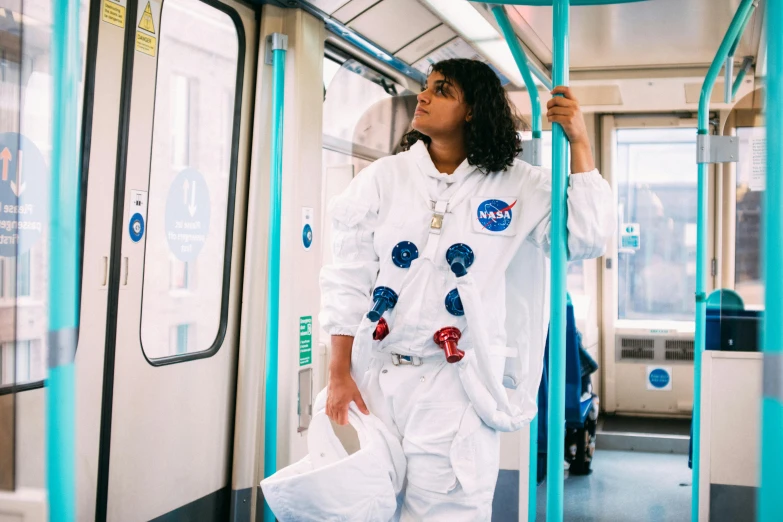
x: 650, y: 271
x: 174, y: 266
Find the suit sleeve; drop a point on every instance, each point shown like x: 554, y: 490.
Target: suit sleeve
x: 591, y: 214
x: 347, y: 283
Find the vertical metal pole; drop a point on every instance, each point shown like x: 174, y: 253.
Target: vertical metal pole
x: 557, y: 341
x: 701, y: 314
x: 732, y: 35
x: 278, y: 44
x: 535, y: 103
x: 770, y: 503
x: 729, y: 74
x: 64, y: 272
x: 532, y: 479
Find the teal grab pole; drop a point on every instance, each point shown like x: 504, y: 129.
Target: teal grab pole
x: 521, y: 60
x: 64, y: 201
x: 535, y: 103
x: 516, y: 49
x: 546, y: 82
x: 729, y: 87
x: 532, y: 479
x: 557, y: 341
x: 701, y: 242
x: 279, y: 44
x: 741, y: 76
x: 769, y: 501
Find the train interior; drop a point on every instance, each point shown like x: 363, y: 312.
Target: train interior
x: 175, y: 124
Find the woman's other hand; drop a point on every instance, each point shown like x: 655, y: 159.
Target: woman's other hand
x: 565, y: 111
x: 341, y: 391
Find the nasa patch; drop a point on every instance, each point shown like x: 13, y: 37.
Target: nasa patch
x: 494, y: 216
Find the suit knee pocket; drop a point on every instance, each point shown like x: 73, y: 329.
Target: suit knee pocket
x: 475, y: 455
x: 429, y: 436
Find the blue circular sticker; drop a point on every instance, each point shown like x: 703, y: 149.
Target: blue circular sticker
x: 187, y: 215
x: 495, y: 215
x: 659, y: 378
x: 307, y: 235
x: 24, y: 194
x: 136, y: 227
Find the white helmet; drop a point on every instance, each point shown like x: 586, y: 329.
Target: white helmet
x: 331, y: 485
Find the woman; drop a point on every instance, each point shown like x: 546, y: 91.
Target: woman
x: 441, y: 241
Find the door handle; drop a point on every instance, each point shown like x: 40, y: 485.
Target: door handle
x: 125, y: 271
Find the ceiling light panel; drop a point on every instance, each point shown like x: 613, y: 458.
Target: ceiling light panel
x: 393, y: 24
x: 426, y: 43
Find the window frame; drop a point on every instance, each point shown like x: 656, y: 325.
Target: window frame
x: 230, y: 203
x: 94, y: 8
x: 370, y: 73
x: 13, y: 347
x: 611, y: 324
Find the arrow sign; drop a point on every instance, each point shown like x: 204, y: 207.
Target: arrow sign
x: 19, y: 186
x: 185, y: 190
x: 6, y: 157
x: 192, y: 207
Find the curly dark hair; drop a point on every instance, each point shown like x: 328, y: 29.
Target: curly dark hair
x: 491, y: 139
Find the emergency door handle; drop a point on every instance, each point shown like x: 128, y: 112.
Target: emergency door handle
x: 125, y: 271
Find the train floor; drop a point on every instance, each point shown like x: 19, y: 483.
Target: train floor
x: 627, y: 486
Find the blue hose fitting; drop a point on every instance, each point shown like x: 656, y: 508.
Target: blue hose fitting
x: 385, y: 299
x: 460, y: 257
x: 454, y: 304
x: 404, y: 253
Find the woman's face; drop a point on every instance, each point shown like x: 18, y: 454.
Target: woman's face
x: 441, y: 110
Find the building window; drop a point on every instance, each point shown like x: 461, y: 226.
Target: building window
x: 180, y: 275
x: 180, y: 119
x: 21, y: 362
x: 6, y: 364
x: 3, y: 282
x: 24, y: 277
x: 16, y: 276
x: 179, y: 339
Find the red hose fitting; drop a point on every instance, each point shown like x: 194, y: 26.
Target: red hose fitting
x: 447, y: 339
x: 381, y: 330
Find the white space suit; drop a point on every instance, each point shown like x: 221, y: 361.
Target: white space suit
x: 410, y: 231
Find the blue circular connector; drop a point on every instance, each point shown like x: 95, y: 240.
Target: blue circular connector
x: 385, y: 299
x: 460, y: 257
x: 404, y: 253
x: 454, y: 304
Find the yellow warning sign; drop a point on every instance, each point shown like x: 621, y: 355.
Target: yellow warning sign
x: 146, y: 22
x: 145, y: 43
x: 114, y: 13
